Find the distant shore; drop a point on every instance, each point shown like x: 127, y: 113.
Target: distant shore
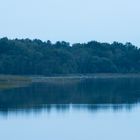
x: 34, y: 78
x: 15, y: 81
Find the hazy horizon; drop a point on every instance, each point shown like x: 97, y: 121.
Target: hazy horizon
x: 71, y: 21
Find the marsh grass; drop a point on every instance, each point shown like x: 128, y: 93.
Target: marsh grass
x: 10, y: 81
x: 14, y: 78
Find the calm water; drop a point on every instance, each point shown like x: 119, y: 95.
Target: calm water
x: 103, y: 109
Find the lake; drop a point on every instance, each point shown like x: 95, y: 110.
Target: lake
x: 72, y: 109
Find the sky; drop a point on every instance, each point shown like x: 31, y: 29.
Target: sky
x: 71, y: 20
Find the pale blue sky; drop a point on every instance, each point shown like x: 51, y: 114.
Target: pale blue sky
x: 71, y: 20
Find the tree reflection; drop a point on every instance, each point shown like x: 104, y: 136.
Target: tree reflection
x: 92, y: 94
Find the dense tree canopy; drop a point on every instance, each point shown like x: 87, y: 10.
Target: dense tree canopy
x: 35, y: 57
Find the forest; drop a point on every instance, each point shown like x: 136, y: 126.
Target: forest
x: 36, y: 57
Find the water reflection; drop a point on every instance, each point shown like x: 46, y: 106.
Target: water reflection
x: 89, y: 94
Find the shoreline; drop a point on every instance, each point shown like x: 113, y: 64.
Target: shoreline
x: 82, y: 77
x: 67, y: 76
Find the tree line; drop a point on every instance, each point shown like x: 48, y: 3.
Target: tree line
x: 35, y: 57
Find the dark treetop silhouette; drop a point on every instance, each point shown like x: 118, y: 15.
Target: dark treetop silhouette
x: 34, y: 57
